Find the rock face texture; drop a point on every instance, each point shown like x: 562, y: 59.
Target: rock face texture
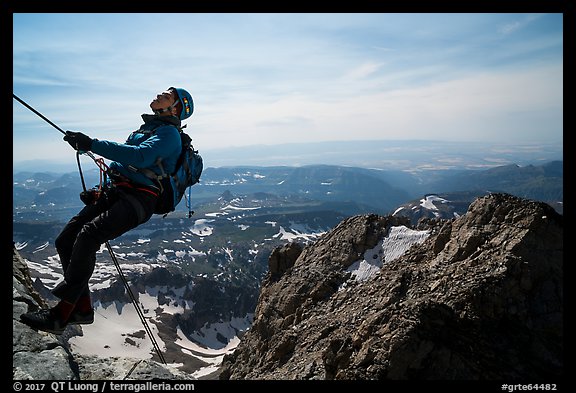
x: 44, y: 356
x: 480, y: 299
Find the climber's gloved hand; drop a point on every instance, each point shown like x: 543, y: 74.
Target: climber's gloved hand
x: 78, y: 140
x: 89, y: 197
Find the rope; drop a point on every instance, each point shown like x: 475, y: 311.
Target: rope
x: 135, y: 303
x: 103, y: 171
x: 38, y: 113
x: 80, y: 170
x: 132, y: 369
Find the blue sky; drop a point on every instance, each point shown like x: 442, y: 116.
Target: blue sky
x: 279, y: 78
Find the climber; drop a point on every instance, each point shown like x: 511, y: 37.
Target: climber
x: 129, y: 202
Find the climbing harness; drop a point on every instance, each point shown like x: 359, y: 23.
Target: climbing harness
x: 103, y: 174
x: 101, y: 187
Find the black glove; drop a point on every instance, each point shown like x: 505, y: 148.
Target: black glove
x: 89, y: 197
x: 78, y: 141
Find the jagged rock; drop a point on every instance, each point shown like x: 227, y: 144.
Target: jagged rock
x: 123, y: 368
x: 44, y: 356
x: 480, y: 299
x: 23, y: 288
x: 283, y: 258
x: 47, y: 364
x: 35, y: 355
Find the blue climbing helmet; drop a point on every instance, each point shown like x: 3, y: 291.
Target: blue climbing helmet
x: 186, y: 100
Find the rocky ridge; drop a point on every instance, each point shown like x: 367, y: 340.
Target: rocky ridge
x: 480, y: 299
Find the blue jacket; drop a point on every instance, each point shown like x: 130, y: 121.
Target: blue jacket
x: 142, y: 150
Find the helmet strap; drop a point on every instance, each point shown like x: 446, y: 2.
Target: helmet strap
x: 168, y: 109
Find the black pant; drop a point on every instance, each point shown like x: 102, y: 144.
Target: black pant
x: 116, y: 211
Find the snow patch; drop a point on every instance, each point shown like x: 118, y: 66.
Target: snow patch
x: 398, y: 240
x: 428, y: 202
x: 201, y: 228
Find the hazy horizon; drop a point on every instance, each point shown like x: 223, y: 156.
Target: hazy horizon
x: 377, y: 154
x: 276, y: 78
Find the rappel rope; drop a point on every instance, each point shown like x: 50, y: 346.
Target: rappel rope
x: 103, y: 168
x: 103, y: 171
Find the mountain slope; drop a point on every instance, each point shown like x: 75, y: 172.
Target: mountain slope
x: 543, y: 183
x: 479, y: 299
x: 42, y: 196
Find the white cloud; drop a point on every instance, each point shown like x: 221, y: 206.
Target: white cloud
x: 513, y: 26
x: 270, y: 79
x: 364, y: 70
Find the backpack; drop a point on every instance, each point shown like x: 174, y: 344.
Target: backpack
x: 173, y: 185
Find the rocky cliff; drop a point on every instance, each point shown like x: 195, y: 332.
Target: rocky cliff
x: 480, y: 299
x: 44, y: 356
